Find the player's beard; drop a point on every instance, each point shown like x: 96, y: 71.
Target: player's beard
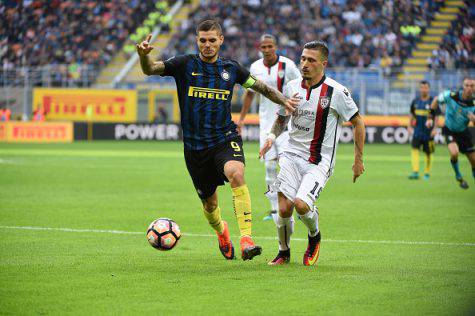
x: 209, y: 56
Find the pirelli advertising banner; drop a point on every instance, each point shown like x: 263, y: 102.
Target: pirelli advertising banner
x: 81, y: 105
x: 36, y: 132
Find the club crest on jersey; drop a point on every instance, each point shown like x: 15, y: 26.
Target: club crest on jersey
x: 281, y: 74
x: 324, y: 102
x: 225, y: 75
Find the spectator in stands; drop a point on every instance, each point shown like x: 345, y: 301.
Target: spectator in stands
x: 5, y: 114
x: 39, y: 115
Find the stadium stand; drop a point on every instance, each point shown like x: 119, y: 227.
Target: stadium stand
x: 70, y: 36
x: 359, y: 33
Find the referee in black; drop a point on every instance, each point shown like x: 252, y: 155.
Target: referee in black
x: 212, y: 146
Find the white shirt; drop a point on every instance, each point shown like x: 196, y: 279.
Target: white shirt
x: 276, y: 76
x: 315, y: 126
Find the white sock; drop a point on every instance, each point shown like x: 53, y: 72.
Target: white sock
x: 271, y: 176
x: 285, y: 228
x: 310, y: 219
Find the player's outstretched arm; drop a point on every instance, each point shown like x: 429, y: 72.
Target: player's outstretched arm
x: 148, y: 67
x: 276, y: 130
x: 248, y: 97
x: 275, y: 96
x: 359, y: 136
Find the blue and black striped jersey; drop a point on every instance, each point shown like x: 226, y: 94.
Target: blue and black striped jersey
x: 204, y: 94
x: 421, y: 109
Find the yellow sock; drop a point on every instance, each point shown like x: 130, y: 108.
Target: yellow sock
x: 214, y: 219
x: 242, y: 209
x: 428, y: 159
x: 415, y: 159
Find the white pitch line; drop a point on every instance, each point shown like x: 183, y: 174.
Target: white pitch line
x: 342, y: 241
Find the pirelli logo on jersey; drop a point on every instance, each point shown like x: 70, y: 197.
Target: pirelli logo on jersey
x: 208, y: 93
x: 420, y: 112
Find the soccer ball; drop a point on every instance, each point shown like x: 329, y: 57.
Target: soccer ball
x: 163, y: 234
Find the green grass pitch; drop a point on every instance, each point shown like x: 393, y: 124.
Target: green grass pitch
x: 390, y: 245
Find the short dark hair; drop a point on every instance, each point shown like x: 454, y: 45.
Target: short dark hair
x: 209, y: 25
x: 320, y: 46
x: 424, y: 82
x: 268, y: 36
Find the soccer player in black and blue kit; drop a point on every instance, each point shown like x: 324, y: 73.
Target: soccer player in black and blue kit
x: 421, y: 135
x: 212, y: 146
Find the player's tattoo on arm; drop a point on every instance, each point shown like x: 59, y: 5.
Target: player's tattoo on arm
x: 151, y: 68
x: 279, y: 125
x: 269, y: 92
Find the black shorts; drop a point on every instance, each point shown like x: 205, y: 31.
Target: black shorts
x: 427, y: 145
x: 463, y: 139
x: 206, y: 167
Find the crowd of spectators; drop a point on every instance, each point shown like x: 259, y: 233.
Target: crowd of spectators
x: 360, y: 33
x: 75, y: 33
x: 72, y: 36
x: 456, y: 50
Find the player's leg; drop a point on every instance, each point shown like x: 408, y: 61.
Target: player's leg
x: 270, y: 161
x: 285, y: 228
x: 471, y: 158
x: 212, y: 213
x: 234, y: 171
x: 271, y: 176
x: 453, y: 147
x: 466, y: 146
x: 415, y: 144
x: 229, y: 161
x: 288, y: 180
x: 428, y: 148
x: 200, y: 166
x: 312, y: 185
x: 454, y: 153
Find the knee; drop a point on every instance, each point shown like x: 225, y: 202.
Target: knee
x: 210, y: 205
x: 237, y: 176
x: 301, y: 206
x: 285, y: 211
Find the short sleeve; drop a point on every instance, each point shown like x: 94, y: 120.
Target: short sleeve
x: 243, y: 75
x: 294, y: 72
x: 413, y: 107
x: 174, y: 64
x: 443, y: 96
x: 344, y: 104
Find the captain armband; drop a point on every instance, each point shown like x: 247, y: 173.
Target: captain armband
x: 249, y: 82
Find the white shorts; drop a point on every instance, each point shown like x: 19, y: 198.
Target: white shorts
x: 298, y: 178
x: 278, y: 146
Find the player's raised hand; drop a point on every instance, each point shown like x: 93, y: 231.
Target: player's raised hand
x: 267, y: 145
x: 358, y: 169
x: 144, y: 48
x: 291, y: 104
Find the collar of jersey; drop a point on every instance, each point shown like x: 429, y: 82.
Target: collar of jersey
x: 315, y: 85
x: 276, y: 61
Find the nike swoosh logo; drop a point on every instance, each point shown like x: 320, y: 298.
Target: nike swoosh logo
x: 245, y: 213
x: 235, y: 155
x: 196, y: 74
